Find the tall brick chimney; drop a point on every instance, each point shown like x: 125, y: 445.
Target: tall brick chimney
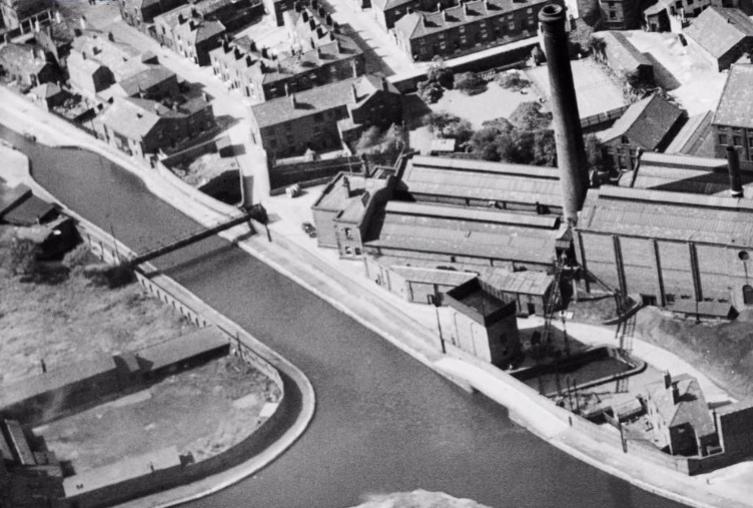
x: 568, y: 137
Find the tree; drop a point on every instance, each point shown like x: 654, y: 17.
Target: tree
x: 597, y: 47
x: 438, y: 73
x: 381, y: 148
x: 447, y: 125
x: 512, y: 80
x: 470, y: 83
x: 544, y: 148
x: 529, y: 117
x: 23, y: 256
x: 430, y: 91
x: 594, y: 155
x: 484, y: 143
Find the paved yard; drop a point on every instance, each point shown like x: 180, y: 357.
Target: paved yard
x: 596, y: 91
x: 494, y: 103
x: 681, y: 70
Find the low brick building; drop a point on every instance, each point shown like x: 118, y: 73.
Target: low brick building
x: 27, y: 64
x: 721, y: 35
x: 343, y: 212
x: 647, y: 125
x: 620, y: 14
x: 483, y: 325
x: 143, y: 127
x: 673, y: 15
x: 325, y: 117
x: 387, y: 12
x: 57, y: 38
x: 680, y: 417
x: 466, y: 28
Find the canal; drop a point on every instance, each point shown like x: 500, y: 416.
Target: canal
x: 383, y: 422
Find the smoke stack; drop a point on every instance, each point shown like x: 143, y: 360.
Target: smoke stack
x: 733, y: 166
x: 568, y: 137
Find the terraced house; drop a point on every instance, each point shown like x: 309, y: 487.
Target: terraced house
x: 467, y: 27
x: 325, y: 117
x: 196, y: 29
x: 313, y: 62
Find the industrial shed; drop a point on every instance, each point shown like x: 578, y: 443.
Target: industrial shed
x: 668, y: 246
x: 465, y: 235
x: 469, y: 182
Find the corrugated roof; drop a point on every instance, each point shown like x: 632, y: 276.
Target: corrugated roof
x: 462, y: 237
x: 736, y: 103
x: 645, y: 123
x: 719, y: 29
x: 473, y: 214
x: 669, y: 215
x: 528, y: 282
x: 482, y: 180
x: 433, y: 275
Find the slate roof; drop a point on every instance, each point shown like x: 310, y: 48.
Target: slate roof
x: 693, y: 136
x: 314, y: 100
x: 12, y: 196
x: 203, y: 30
x: 46, y: 90
x: 736, y: 103
x: 646, y: 123
x: 691, y: 408
x: 718, y: 29
x: 123, y: 60
x: 419, y: 24
x: 483, y: 180
x: 668, y: 215
x: 130, y: 117
x: 144, y: 80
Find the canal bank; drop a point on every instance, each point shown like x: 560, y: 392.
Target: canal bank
x: 382, y: 424
x: 280, y: 429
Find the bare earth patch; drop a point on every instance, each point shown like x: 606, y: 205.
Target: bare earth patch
x: 203, y: 411
x: 74, y: 321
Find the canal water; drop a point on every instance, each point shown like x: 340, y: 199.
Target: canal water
x: 383, y: 423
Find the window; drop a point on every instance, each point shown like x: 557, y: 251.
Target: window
x: 318, y: 117
x: 722, y: 139
x: 625, y: 140
x: 612, y: 15
x: 511, y: 25
x: 348, y: 233
x: 737, y: 140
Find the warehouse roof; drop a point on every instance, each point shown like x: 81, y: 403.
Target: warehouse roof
x: 528, y: 282
x: 435, y: 231
x: 433, y: 275
x: 736, y: 103
x: 669, y: 215
x: 483, y: 180
x: 473, y: 214
x: 695, y: 137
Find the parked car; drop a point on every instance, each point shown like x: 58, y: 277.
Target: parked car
x: 309, y: 229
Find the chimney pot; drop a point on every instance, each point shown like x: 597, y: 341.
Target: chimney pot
x: 733, y: 167
x: 675, y: 393
x: 58, y: 17
x: 346, y: 184
x: 293, y: 101
x: 667, y: 380
x: 439, y: 7
x: 353, y: 92
x: 110, y: 37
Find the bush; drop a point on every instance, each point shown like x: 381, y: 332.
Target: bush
x: 512, y: 80
x: 79, y: 256
x: 440, y: 74
x: 382, y: 148
x: 111, y: 276
x: 529, y: 117
x: 470, y: 83
x: 430, y: 91
x: 447, y: 125
x: 23, y: 257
